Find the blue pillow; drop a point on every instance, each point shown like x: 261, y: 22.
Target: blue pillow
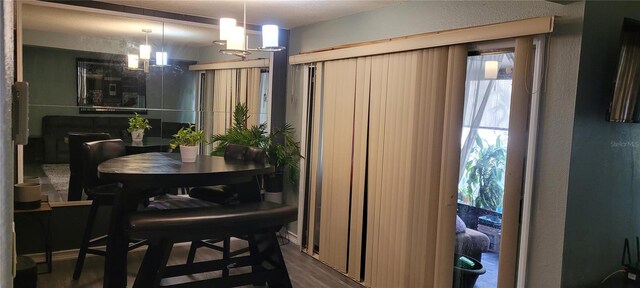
x: 460, y: 226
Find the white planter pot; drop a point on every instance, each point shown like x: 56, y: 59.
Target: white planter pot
x: 274, y: 197
x: 188, y: 153
x: 27, y: 195
x: 136, y: 135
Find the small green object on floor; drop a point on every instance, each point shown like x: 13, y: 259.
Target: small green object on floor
x: 465, y: 263
x: 26, y: 273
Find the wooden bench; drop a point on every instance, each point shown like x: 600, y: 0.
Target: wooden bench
x: 259, y: 220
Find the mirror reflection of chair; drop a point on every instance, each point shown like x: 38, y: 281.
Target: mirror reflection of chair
x: 76, y: 139
x: 101, y: 193
x: 229, y: 195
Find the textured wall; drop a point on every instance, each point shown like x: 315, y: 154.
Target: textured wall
x: 603, y: 197
x: 557, y: 104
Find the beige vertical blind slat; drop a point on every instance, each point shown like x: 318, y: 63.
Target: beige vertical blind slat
x: 375, y: 168
x: 221, y: 100
x: 454, y: 103
x: 360, y: 128
x: 514, y: 170
x: 316, y: 164
x: 254, y: 96
x: 338, y: 109
x: 208, y: 107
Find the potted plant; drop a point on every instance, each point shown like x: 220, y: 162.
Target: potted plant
x: 137, y: 125
x: 282, y: 150
x: 187, y: 139
x: 484, y: 173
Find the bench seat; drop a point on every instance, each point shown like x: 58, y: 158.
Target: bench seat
x: 258, y: 220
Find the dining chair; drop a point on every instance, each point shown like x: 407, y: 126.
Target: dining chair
x: 100, y: 192
x: 103, y: 193
x: 75, y: 140
x: 228, y: 195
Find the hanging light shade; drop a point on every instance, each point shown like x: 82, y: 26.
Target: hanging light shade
x: 161, y: 58
x: 132, y: 62
x: 270, y: 36
x: 236, y: 39
x: 491, y: 70
x: 227, y: 26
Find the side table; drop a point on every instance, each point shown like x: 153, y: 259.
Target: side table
x: 42, y: 216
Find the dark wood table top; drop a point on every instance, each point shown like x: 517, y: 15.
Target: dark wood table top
x: 167, y: 170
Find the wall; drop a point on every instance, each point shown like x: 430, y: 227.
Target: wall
x: 556, y: 123
x: 603, y: 197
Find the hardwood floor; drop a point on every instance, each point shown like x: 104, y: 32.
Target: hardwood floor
x: 304, y: 271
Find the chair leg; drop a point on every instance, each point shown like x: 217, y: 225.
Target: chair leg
x: 226, y: 254
x: 153, y: 265
x: 86, y: 238
x: 192, y: 251
x: 268, y: 249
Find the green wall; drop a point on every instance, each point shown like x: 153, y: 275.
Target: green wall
x: 604, y: 181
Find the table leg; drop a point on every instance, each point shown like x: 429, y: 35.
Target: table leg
x: 115, y: 268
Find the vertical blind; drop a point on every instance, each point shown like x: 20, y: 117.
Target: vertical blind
x: 384, y: 155
x: 224, y: 88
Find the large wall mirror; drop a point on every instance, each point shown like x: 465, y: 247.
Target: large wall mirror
x: 81, y: 79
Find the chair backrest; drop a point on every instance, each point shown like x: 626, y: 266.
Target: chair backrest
x: 248, y: 191
x: 246, y: 153
x: 96, y: 152
x: 75, y: 140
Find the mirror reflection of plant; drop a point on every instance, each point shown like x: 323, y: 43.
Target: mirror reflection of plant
x: 138, y: 122
x: 283, y: 151
x: 187, y: 136
x: 484, y: 174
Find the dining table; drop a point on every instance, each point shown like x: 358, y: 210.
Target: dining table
x: 141, y: 172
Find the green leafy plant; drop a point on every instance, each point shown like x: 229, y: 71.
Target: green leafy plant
x: 138, y: 122
x: 187, y: 136
x: 484, y: 174
x: 283, y: 151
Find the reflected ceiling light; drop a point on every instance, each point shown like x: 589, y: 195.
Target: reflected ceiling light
x: 491, y: 69
x: 235, y: 38
x: 145, y: 50
x: 132, y: 62
x: 161, y: 58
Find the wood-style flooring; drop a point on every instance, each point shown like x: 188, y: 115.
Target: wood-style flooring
x: 304, y: 271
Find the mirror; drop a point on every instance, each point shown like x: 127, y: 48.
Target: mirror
x: 89, y: 72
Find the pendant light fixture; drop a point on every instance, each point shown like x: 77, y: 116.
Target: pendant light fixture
x: 144, y: 54
x: 235, y: 40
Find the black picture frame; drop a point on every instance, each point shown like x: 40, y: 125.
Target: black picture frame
x: 109, y: 86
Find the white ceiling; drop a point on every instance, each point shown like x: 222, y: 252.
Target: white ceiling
x: 285, y: 13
